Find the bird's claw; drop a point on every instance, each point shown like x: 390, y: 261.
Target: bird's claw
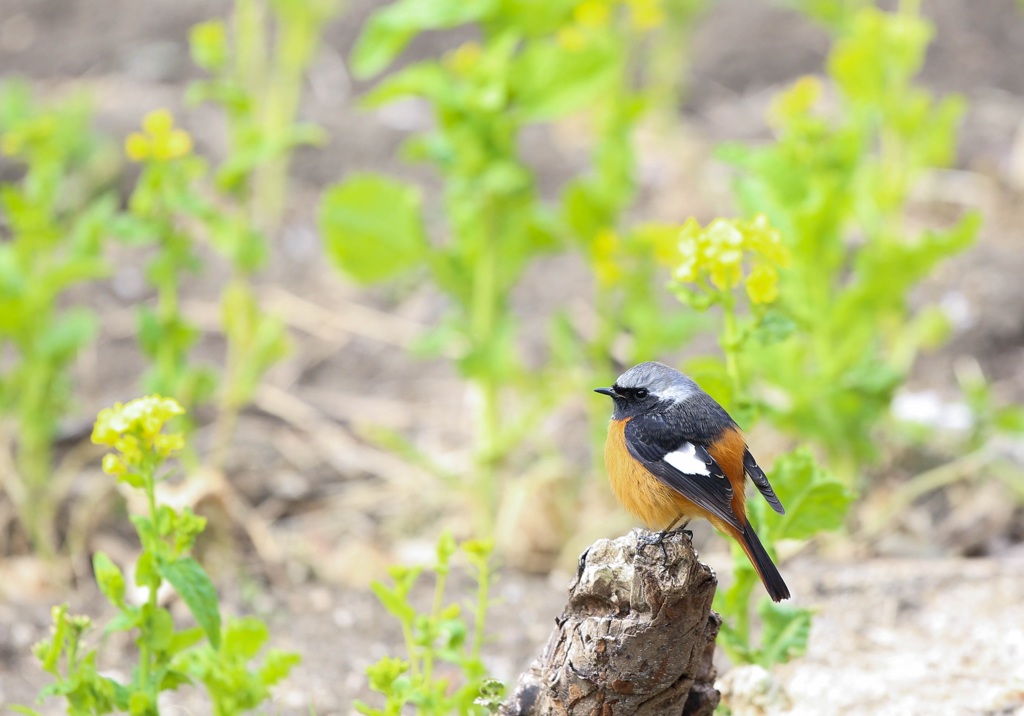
x: 656, y: 539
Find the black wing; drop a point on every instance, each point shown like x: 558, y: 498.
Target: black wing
x: 761, y: 482
x: 649, y: 440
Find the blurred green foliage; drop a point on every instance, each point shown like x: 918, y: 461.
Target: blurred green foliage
x: 738, y: 266
x: 164, y: 194
x: 258, y: 64
x: 831, y: 176
x: 214, y: 653
x: 827, y: 261
x: 532, y: 64
x: 811, y: 285
x: 60, y: 222
x: 438, y: 636
x: 56, y: 219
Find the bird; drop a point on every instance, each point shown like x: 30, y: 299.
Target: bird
x: 673, y: 453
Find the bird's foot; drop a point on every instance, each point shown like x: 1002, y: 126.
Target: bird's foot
x: 654, y: 539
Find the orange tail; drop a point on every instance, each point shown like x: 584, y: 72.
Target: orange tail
x: 766, y: 569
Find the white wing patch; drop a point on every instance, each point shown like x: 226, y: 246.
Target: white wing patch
x: 686, y: 461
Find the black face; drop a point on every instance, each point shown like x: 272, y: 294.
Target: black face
x: 628, y: 401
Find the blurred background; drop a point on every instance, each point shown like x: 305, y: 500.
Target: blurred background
x: 382, y: 254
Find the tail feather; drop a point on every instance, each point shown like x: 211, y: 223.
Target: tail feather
x: 766, y: 569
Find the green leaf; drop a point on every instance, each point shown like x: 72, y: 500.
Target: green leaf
x: 734, y: 637
x: 394, y: 602
x: 277, y: 665
x: 881, y: 54
x: 184, y: 639
x: 1010, y: 419
x: 245, y: 637
x: 146, y: 574
x: 372, y: 227
x: 173, y: 678
x: 72, y: 271
x: 71, y: 331
x: 123, y: 621
x: 367, y: 710
x: 814, y: 501
x: 785, y: 632
x: 423, y: 79
x: 773, y: 327
x: 197, y: 591
x: 390, y: 29
x: 158, y: 627
x: 383, y: 674
x: 550, y: 81
x: 209, y: 45
x: 109, y: 578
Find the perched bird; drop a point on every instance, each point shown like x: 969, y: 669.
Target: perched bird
x: 673, y: 453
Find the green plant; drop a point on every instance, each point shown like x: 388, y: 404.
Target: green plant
x: 215, y: 654
x: 433, y: 637
x: 715, y: 262
x: 165, y: 195
x: 826, y: 180
x: 532, y: 65
x: 53, y: 239
x: 175, y: 205
x: 828, y: 336
x: 257, y: 68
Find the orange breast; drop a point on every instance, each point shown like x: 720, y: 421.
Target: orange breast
x: 656, y: 504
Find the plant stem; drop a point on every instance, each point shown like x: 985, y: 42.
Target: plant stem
x: 228, y: 410
x: 483, y: 324
x: 34, y: 464
x: 730, y: 342
x: 145, y: 655
x: 298, y: 31
x: 35, y: 458
x: 167, y: 352
x: 250, y: 42
x: 435, y: 611
x: 482, y: 596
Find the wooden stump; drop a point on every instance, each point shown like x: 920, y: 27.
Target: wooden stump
x: 636, y: 637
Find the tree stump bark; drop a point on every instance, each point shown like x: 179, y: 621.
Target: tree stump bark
x: 636, y: 638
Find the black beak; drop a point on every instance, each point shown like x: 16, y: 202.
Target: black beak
x: 610, y: 392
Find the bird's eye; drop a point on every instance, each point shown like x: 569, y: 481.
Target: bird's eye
x: 641, y: 393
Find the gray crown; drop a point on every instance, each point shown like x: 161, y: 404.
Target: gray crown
x: 660, y: 380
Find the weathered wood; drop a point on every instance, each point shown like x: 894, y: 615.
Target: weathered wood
x: 636, y: 638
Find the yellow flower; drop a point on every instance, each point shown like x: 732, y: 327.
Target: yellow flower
x: 725, y: 276
x: 796, y: 101
x: 763, y: 284
x: 159, y: 139
x: 136, y: 146
x: 167, y: 444
x: 592, y: 13
x: 134, y: 430
x: 464, y: 58
x: 158, y: 123
x: 645, y: 14
x: 721, y: 251
x: 177, y: 143
x: 606, y: 265
x: 112, y: 465
x: 572, y: 38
